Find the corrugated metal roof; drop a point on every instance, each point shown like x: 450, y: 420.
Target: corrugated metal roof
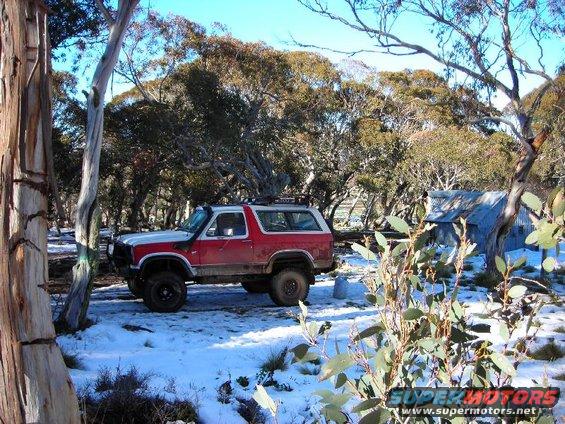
x: 450, y: 205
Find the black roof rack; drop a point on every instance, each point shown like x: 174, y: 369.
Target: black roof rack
x: 302, y: 199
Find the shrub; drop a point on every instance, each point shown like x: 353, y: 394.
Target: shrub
x: 225, y: 392
x: 125, y: 397
x: 548, y: 352
x: 250, y: 411
x: 275, y: 361
x: 560, y: 329
x: 242, y: 381
x: 421, y: 332
x: 148, y: 343
x: 484, y: 279
x: 72, y: 361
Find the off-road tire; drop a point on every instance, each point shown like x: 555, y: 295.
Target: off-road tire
x: 289, y: 286
x: 263, y: 286
x: 136, y: 287
x: 164, y: 292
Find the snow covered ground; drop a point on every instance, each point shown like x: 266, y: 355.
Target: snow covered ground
x: 223, y: 333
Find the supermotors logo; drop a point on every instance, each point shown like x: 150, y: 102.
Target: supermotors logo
x: 451, y: 402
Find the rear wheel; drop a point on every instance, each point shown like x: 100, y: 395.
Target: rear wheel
x: 262, y: 286
x: 289, y: 286
x: 164, y: 292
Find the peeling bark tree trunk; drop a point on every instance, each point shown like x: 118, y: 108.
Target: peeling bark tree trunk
x: 34, y: 381
x: 507, y: 217
x: 88, y: 213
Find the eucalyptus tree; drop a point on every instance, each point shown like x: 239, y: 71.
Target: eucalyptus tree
x: 87, y: 224
x: 34, y: 382
x: 488, y: 42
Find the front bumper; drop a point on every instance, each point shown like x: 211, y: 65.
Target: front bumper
x: 120, y: 256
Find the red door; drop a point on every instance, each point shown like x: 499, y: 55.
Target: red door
x: 226, y: 242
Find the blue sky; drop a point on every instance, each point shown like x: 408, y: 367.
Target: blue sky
x: 277, y: 21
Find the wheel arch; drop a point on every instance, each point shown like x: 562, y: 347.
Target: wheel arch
x: 166, y: 262
x: 291, y: 258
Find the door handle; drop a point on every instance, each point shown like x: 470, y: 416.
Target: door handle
x: 246, y: 241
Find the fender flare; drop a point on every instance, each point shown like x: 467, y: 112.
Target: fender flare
x: 173, y: 257
x: 303, y: 255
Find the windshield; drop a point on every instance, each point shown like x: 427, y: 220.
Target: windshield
x: 194, y: 221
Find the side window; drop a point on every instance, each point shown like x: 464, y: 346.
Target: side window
x: 303, y: 221
x: 227, y: 224
x: 273, y: 221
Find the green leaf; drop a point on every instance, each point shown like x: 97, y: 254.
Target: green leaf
x: 381, y: 240
x: 378, y: 416
x: 532, y: 237
x: 480, y: 328
x: 558, y: 207
x: 398, y: 224
x: 428, y: 344
x: 457, y: 310
x: 532, y: 201
x: 549, y: 263
x: 368, y: 332
x: 300, y: 351
x: 519, y: 262
x: 264, y: 400
x: 333, y: 414
x: 336, y: 365
x: 412, y: 314
x: 366, y: 404
x: 399, y: 248
x: 503, y: 363
x: 340, y: 380
x: 503, y: 331
x: 516, y: 291
x: 500, y: 264
x: 363, y: 251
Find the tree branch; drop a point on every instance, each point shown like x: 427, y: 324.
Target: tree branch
x: 512, y: 127
x: 105, y: 12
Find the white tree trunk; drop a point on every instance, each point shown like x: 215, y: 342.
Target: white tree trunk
x: 34, y: 381
x: 88, y: 213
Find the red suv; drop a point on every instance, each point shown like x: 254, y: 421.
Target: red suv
x: 275, y: 247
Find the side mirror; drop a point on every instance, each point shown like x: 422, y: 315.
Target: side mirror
x: 228, y: 232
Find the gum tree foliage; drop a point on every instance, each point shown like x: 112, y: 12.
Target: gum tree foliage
x: 485, y: 41
x: 421, y: 335
x: 72, y: 22
x: 332, y: 109
x: 418, y: 113
x: 451, y: 158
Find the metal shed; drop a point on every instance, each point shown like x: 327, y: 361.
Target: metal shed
x: 480, y: 209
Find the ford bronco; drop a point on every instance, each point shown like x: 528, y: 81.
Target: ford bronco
x: 273, y: 247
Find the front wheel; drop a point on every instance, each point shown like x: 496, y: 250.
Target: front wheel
x: 164, y: 292
x: 289, y: 286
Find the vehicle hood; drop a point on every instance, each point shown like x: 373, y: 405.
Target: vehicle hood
x: 154, y: 237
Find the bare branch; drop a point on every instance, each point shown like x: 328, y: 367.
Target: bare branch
x: 105, y: 12
x: 510, y: 125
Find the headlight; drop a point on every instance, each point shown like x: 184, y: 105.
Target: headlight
x: 110, y: 248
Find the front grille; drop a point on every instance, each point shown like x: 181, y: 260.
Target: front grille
x: 121, y: 257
